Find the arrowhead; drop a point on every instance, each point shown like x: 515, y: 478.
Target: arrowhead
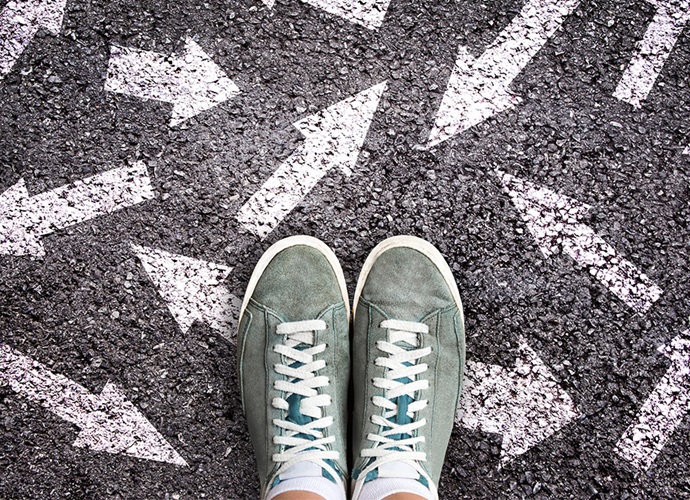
x: 192, y: 289
x: 17, y: 221
x: 474, y: 94
x: 548, y: 215
x: 116, y: 426
x: 202, y: 84
x: 340, y: 129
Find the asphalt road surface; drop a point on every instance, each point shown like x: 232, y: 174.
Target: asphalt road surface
x: 151, y: 151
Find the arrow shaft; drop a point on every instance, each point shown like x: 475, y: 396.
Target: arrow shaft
x: 18, y: 27
x: 58, y: 394
x: 368, y: 13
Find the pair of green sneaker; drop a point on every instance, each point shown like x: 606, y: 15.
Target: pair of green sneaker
x: 298, y: 355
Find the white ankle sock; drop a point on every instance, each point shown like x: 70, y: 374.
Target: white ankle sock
x: 307, y: 476
x: 378, y: 489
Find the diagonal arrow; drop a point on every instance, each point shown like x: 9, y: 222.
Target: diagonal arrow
x: 108, y: 422
x: 19, y: 23
x: 553, y: 220
x: 525, y: 404
x: 192, y: 82
x: 24, y: 219
x: 663, y: 411
x: 192, y: 290
x: 333, y: 138
x: 662, y: 34
x: 478, y: 88
x: 367, y: 13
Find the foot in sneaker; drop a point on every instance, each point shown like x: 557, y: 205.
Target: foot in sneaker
x: 294, y: 366
x: 408, y: 361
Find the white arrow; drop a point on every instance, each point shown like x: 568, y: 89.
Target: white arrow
x: 19, y: 23
x: 656, y: 45
x: 525, y: 404
x: 663, y: 411
x: 367, y: 13
x: 553, y: 220
x: 192, y: 289
x: 333, y: 138
x: 24, y: 220
x: 192, y: 82
x: 478, y: 88
x: 108, y: 422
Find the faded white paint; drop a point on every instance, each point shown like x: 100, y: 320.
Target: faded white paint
x: 686, y: 151
x: 19, y: 23
x: 24, y: 219
x: 192, y: 82
x: 478, y: 88
x: 367, y: 13
x: 662, y: 34
x: 108, y: 422
x: 553, y: 220
x: 333, y: 139
x: 192, y: 289
x: 663, y: 411
x: 524, y: 404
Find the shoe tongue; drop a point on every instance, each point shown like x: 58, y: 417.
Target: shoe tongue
x: 302, y: 469
x: 398, y: 470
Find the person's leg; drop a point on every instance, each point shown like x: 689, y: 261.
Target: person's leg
x: 293, y: 356
x: 408, y: 362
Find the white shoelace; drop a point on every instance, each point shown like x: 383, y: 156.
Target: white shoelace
x: 401, y: 364
x: 304, y: 381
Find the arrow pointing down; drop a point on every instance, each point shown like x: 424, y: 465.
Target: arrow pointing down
x: 108, y: 422
x: 333, y: 139
x: 525, y: 404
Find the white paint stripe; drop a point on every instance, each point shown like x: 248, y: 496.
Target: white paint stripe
x: 108, y: 422
x: 193, y: 290
x: 553, y: 220
x: 525, y: 404
x: 19, y: 23
x: 478, y: 88
x: 192, y: 81
x: 656, y: 45
x: 333, y: 139
x: 367, y: 13
x: 663, y: 411
x: 24, y: 219
x: 686, y: 151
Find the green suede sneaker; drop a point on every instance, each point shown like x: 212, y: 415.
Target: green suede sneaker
x: 408, y: 362
x: 293, y: 350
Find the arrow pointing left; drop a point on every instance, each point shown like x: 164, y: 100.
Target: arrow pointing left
x: 524, y: 404
x: 24, y: 219
x: 108, y: 422
x: 192, y: 82
x: 19, y: 23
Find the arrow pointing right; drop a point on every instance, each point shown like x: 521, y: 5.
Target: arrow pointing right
x: 19, y: 23
x: 525, y: 404
x: 108, y: 422
x: 553, y: 220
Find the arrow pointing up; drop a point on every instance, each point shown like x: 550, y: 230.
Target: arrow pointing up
x: 333, y: 139
x: 24, y: 219
x: 553, y: 220
x: 19, y: 23
x: 192, y: 82
x: 108, y: 422
x: 478, y: 88
x: 367, y: 13
x: 192, y: 289
x: 525, y: 405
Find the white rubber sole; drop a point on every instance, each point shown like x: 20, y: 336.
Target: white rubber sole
x: 423, y: 247
x: 294, y: 241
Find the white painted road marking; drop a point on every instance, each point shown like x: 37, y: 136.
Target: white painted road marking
x: 333, y: 138
x: 193, y: 290
x: 656, y: 45
x: 525, y: 404
x: 553, y: 220
x: 108, y: 422
x: 19, y: 23
x: 367, y: 13
x: 24, y: 220
x: 663, y: 412
x: 192, y: 82
x: 478, y: 88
